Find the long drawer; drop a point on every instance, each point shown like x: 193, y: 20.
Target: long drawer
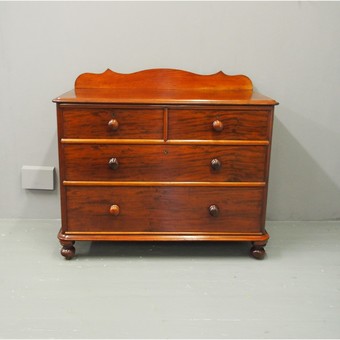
x: 164, y: 209
x: 164, y: 162
x: 113, y: 123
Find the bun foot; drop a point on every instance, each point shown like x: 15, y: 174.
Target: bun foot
x: 257, y: 250
x: 68, y: 251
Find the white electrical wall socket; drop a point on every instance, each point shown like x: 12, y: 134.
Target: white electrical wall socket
x: 37, y: 177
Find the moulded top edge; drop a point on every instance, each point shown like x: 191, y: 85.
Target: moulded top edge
x: 156, y: 96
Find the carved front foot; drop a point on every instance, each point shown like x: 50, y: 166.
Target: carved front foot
x: 257, y: 250
x: 68, y: 251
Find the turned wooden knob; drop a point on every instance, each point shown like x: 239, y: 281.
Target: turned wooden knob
x: 213, y: 210
x: 113, y: 163
x: 113, y: 124
x: 114, y: 210
x: 217, y: 125
x: 215, y: 164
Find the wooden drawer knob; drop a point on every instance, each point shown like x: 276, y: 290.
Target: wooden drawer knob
x: 214, y: 210
x: 217, y: 125
x: 113, y: 124
x: 114, y: 210
x: 215, y: 164
x: 113, y: 163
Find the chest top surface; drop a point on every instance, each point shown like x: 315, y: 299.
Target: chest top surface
x: 165, y: 87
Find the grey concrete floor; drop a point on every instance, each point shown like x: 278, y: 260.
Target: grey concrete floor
x: 170, y: 290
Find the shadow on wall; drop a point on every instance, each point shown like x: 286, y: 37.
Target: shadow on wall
x: 303, y: 182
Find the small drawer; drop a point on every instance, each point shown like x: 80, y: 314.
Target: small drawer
x: 218, y: 124
x: 164, y: 209
x: 114, y: 123
x: 165, y: 163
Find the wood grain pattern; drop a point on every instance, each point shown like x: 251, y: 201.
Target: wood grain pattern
x: 164, y: 97
x: 162, y: 184
x: 133, y: 123
x: 165, y: 163
x: 164, y: 86
x: 162, y: 155
x: 161, y: 141
x: 245, y: 124
x: 163, y: 236
x: 176, y: 209
x: 163, y: 79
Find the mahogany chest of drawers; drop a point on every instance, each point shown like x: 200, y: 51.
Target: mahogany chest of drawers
x: 163, y: 155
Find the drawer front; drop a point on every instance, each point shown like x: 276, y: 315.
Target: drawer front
x: 164, y: 209
x: 217, y: 124
x: 165, y: 163
x: 112, y: 123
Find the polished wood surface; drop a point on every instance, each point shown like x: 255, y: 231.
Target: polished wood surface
x: 164, y: 163
x: 175, y: 209
x: 164, y: 97
x: 162, y: 142
x: 161, y: 184
x: 162, y: 155
x: 97, y: 123
x: 218, y: 124
x: 114, y: 210
x: 162, y: 236
x: 164, y: 86
x: 163, y: 79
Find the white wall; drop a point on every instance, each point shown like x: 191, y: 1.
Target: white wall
x: 290, y: 50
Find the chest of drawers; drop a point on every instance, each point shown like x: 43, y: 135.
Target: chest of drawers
x: 163, y: 155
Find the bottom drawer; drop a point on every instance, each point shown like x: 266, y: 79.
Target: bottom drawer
x: 164, y: 209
